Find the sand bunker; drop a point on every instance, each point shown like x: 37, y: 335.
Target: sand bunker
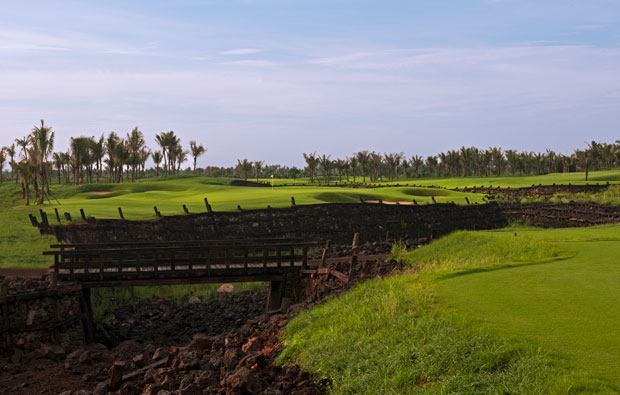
x: 98, y: 193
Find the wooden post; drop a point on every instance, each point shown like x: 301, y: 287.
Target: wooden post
x: 57, y: 215
x: 116, y: 376
x: 82, y: 213
x: 185, y: 210
x: 275, y: 294
x: 120, y: 212
x: 415, y: 202
x: 207, y: 204
x: 68, y: 217
x: 157, y: 213
x: 56, y: 308
x: 87, y: 314
x: 466, y: 199
x: 292, y: 201
x: 353, y: 264
x: 356, y: 238
x: 324, y: 256
x: 433, y: 199
x: 5, y: 313
x: 33, y: 220
x: 44, y: 221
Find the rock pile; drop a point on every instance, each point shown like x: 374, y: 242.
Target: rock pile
x: 166, y: 322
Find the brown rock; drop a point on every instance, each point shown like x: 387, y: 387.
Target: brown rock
x: 226, y: 289
x: 252, y: 345
x: 200, y: 343
x: 243, y: 380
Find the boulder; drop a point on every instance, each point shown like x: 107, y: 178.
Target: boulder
x: 226, y: 290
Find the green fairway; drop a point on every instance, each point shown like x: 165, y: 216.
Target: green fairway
x: 21, y: 245
x: 567, y: 306
x: 601, y: 176
x: 137, y: 200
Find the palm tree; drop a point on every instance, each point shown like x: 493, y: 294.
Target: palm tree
x: 135, y: 145
x: 376, y: 162
x: 25, y: 171
x: 157, y: 158
x: 10, y: 150
x: 244, y: 167
x: 58, y: 162
x: 258, y: 166
x: 196, y: 151
x: 432, y: 164
x: 498, y: 159
x: 513, y: 160
x: 42, y: 139
x: 312, y: 161
x: 353, y: 165
x: 416, y: 163
x: 98, y: 152
x: 363, y: 158
x: 584, y: 160
x: 326, y: 165
x: 2, y: 161
x: 390, y: 161
x: 340, y: 166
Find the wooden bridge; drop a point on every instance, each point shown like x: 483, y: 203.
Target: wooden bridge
x: 181, y: 262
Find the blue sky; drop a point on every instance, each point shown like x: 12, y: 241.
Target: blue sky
x: 270, y: 79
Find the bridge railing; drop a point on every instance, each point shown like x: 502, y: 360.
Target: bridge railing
x: 179, y: 260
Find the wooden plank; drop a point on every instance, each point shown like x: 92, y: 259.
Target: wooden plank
x: 340, y: 276
x: 180, y: 281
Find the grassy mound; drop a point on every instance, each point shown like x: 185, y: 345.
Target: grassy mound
x: 392, y: 336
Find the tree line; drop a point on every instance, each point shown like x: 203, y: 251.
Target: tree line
x: 116, y: 159
x: 464, y: 162
x: 89, y: 159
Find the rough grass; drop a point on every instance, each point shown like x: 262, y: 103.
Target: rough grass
x: 392, y: 336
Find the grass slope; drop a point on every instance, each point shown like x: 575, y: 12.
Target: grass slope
x: 395, y: 335
x: 569, y: 306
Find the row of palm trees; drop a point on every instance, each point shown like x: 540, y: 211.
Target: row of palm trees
x: 464, y: 162
x: 32, y: 159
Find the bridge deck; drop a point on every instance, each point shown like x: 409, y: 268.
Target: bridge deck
x: 101, y: 265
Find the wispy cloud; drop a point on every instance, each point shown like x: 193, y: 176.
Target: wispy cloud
x: 241, y: 51
x: 250, y: 63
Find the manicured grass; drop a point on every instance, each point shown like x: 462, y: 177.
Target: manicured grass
x: 21, y: 245
x: 137, y: 200
x: 569, y: 307
x: 395, y: 335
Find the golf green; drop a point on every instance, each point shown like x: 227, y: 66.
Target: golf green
x: 570, y: 307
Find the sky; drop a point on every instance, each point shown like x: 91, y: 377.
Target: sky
x: 271, y: 79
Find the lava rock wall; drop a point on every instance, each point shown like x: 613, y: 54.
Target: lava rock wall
x: 335, y: 222
x: 549, y: 215
x: 38, y: 319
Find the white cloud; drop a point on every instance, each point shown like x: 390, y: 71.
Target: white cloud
x: 386, y: 98
x: 250, y: 63
x: 241, y: 51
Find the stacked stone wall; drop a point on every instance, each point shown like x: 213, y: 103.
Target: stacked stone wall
x: 35, y: 315
x: 335, y: 222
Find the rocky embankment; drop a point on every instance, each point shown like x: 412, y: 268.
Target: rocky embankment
x: 222, y: 346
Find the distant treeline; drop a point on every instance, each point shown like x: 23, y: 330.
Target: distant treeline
x: 114, y: 159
